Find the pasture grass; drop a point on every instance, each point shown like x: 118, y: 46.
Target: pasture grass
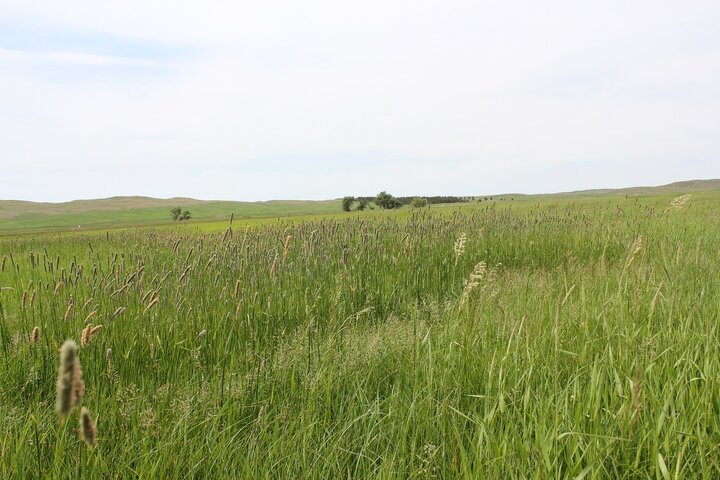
x: 354, y: 347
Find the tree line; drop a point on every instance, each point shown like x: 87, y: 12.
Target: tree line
x: 387, y: 201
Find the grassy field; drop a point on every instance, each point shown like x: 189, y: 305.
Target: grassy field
x: 553, y: 337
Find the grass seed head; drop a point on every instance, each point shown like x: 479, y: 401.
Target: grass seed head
x: 68, y: 311
x: 459, y: 247
x: 636, y: 389
x: 88, y: 431
x: 35, y: 336
x: 87, y: 334
x: 274, y: 266
x: 473, y: 281
x: 635, y: 248
x: 287, y: 246
x: 90, y: 316
x: 78, y: 384
x: 70, y: 386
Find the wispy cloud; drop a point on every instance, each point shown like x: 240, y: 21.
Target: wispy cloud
x: 76, y: 58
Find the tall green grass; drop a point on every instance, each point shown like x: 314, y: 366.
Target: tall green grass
x: 343, y: 348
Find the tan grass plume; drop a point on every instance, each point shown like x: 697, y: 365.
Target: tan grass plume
x: 88, y: 431
x: 473, y: 281
x: 459, y: 247
x: 287, y: 246
x: 87, y: 334
x: 70, y: 385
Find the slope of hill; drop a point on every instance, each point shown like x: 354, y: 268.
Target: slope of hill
x: 688, y: 186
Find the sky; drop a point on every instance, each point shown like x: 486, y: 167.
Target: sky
x: 321, y: 99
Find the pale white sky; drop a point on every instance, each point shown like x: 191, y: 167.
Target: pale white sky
x: 320, y: 99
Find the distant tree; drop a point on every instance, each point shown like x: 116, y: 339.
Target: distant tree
x: 387, y: 201
x: 185, y: 215
x: 176, y: 212
x: 362, y: 204
x: 347, y: 203
x: 419, y: 202
x: 383, y: 199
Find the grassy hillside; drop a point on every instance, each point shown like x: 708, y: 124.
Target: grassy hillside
x: 688, y: 186
x: 677, y: 188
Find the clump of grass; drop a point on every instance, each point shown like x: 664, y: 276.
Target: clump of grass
x: 679, y: 202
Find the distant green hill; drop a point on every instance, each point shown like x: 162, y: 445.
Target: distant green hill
x: 688, y: 186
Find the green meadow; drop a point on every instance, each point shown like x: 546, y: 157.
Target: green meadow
x: 568, y: 336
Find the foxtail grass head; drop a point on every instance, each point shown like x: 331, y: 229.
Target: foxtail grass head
x: 88, y: 431
x: 87, y: 334
x: 70, y: 385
